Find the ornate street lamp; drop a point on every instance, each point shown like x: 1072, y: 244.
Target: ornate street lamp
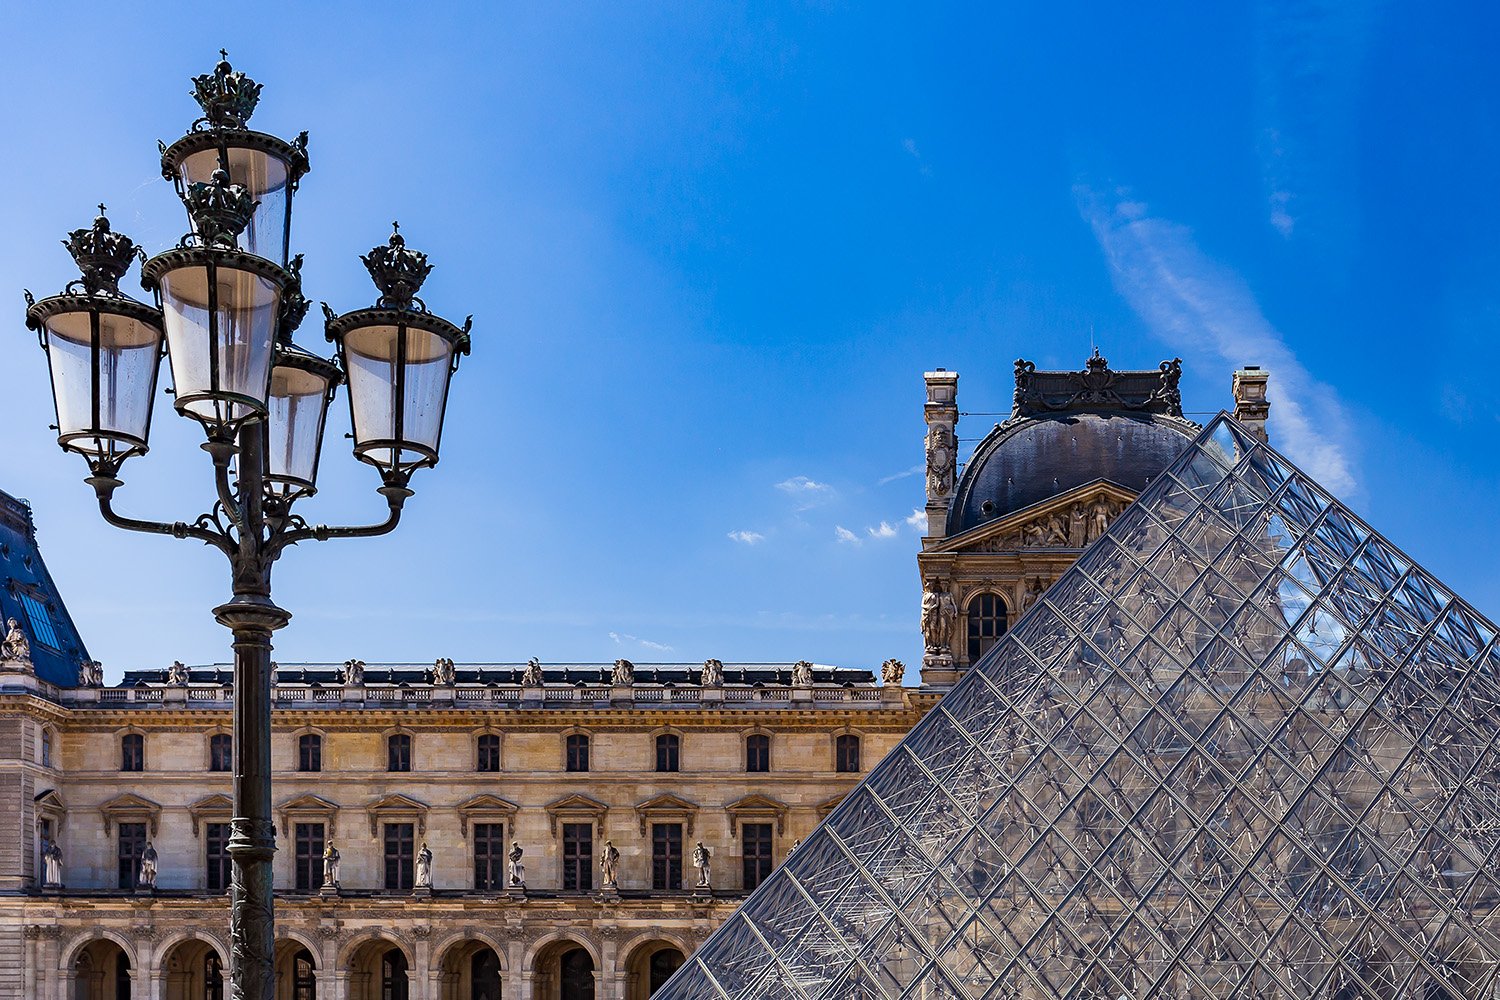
x: 229, y: 297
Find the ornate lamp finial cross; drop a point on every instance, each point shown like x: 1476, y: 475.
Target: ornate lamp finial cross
x: 101, y: 208
x: 224, y: 54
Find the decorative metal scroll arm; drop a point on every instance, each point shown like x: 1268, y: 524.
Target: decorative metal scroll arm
x: 104, y: 488
x: 395, y: 493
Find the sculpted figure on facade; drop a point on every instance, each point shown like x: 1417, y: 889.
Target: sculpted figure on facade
x: 609, y: 863
x: 177, y: 674
x: 330, y: 866
x: 802, y: 675
x: 353, y: 673
x: 1057, y: 531
x: 623, y: 674
x: 147, y: 878
x: 1099, y: 515
x: 90, y: 674
x: 892, y: 672
x: 713, y: 674
x: 1033, y: 534
x: 52, y: 865
x: 701, y: 860
x: 940, y: 456
x: 1078, y: 524
x: 424, y: 867
x: 443, y: 672
x: 516, y: 871
x: 532, y: 675
x: 15, y: 646
x: 1032, y: 595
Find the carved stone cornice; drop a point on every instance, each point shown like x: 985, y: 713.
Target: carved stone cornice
x: 575, y: 806
x: 395, y: 808
x: 667, y: 807
x: 130, y: 808
x: 308, y: 808
x: 483, y: 807
x: 212, y: 806
x: 756, y: 806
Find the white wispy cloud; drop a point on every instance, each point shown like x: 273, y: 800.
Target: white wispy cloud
x: 806, y: 492
x: 882, y: 530
x: 620, y: 638
x: 747, y: 537
x: 844, y: 535
x: 917, y: 520
x: 915, y: 470
x: 1201, y: 308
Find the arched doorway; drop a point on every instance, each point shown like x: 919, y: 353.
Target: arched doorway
x: 650, y: 966
x: 192, y: 970
x: 564, y: 970
x: 470, y: 971
x: 296, y: 972
x: 101, y: 971
x: 379, y: 970
x: 395, y: 984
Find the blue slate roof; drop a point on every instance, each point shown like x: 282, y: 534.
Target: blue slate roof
x: 28, y: 595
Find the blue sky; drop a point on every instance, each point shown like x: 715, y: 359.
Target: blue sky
x: 710, y: 249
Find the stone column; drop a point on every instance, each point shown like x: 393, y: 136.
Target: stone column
x: 941, y: 414
x: 1251, y: 407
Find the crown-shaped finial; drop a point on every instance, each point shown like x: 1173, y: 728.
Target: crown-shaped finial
x: 220, y: 210
x: 294, y: 304
x: 228, y: 98
x: 397, y: 271
x: 101, y: 254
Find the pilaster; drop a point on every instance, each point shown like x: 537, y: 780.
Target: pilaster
x: 941, y: 414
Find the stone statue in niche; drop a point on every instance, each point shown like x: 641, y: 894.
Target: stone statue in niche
x: 52, y: 865
x: 424, y: 867
x: 15, y: 646
x: 147, y: 878
x: 892, y: 672
x: 516, y: 871
x: 353, y: 673
x: 177, y: 674
x: 90, y: 674
x: 701, y: 859
x: 623, y: 674
x: 939, y: 613
x: 330, y: 866
x: 443, y: 673
x: 713, y: 674
x: 802, y: 676
x: 609, y: 863
x: 532, y: 675
x: 940, y: 456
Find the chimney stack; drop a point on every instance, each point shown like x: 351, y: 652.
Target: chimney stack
x: 941, y: 414
x: 1251, y: 407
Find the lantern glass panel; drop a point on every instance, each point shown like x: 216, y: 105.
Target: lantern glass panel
x: 266, y: 177
x: 220, y: 323
x: 129, y: 350
x: 298, y: 407
x: 397, y: 393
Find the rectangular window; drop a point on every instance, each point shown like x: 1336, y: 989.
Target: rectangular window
x: 666, y: 856
x: 489, y: 856
x: 398, y: 753
x: 400, y: 872
x: 46, y: 747
x: 44, y: 835
x: 221, y: 752
x: 132, y: 846
x: 309, y: 839
x: 489, y: 754
x: 40, y: 619
x: 309, y: 752
x: 578, y: 856
x: 668, y: 753
x: 757, y: 844
x: 132, y: 752
x: 578, y: 752
x: 216, y: 856
x: 846, y: 754
x: 758, y: 753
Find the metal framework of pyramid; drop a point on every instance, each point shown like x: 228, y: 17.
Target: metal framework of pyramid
x: 1243, y: 748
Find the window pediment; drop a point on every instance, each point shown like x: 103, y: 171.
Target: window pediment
x: 130, y: 808
x: 308, y: 807
x: 50, y: 805
x: 484, y: 807
x: 212, y: 807
x: 575, y: 806
x: 665, y: 808
x: 395, y: 808
x: 756, y: 806
x: 829, y: 805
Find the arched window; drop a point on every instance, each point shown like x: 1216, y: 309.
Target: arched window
x: 668, y: 752
x: 577, y: 975
x: 132, y: 752
x: 398, y: 753
x: 488, y: 759
x: 578, y: 752
x: 309, y: 752
x: 484, y: 975
x: 122, y: 977
x: 393, y: 982
x: 987, y: 621
x: 663, y: 964
x: 221, y: 752
x: 846, y: 754
x: 213, y: 977
x: 304, y: 976
x: 758, y: 753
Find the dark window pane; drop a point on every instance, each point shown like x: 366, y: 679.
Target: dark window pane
x: 668, y: 748
x: 663, y: 964
x: 216, y: 854
x: 40, y: 619
x: 489, y: 753
x: 393, y: 981
x: 489, y: 856
x: 132, y: 752
x: 221, y: 752
x: 213, y: 977
x: 846, y: 754
x: 304, y: 976
x: 400, y: 856
x: 666, y: 856
x: 578, y: 752
x: 132, y: 845
x: 758, y: 753
x: 987, y: 622
x: 309, y: 752
x: 757, y: 844
x: 398, y: 753
x: 578, y: 856
x: 309, y: 850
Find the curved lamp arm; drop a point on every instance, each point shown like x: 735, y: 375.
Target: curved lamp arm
x: 395, y: 498
x: 104, y: 489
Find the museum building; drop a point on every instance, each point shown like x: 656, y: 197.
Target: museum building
x: 519, y: 830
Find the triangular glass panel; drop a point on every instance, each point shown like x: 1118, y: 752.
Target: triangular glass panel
x: 1244, y: 747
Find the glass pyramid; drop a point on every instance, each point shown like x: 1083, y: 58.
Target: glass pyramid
x: 1243, y: 748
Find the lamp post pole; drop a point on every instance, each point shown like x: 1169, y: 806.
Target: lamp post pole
x: 228, y: 299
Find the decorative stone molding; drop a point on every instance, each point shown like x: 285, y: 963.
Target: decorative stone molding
x: 308, y: 808
x: 396, y: 808
x: 573, y: 808
x: 829, y: 805
x: 756, y: 807
x: 484, y: 808
x: 214, y: 806
x: 665, y: 808
x: 130, y: 808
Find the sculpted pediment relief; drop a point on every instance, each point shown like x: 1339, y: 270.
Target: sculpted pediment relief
x: 1069, y: 521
